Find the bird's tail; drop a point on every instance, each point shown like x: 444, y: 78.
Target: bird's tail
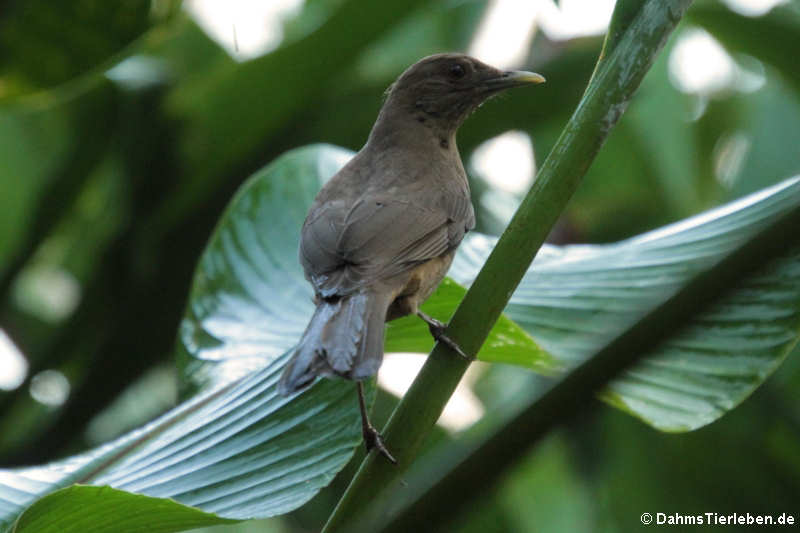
x: 344, y: 338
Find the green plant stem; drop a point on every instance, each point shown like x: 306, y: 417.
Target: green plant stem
x: 616, y: 77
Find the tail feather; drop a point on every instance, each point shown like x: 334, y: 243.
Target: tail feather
x: 344, y: 338
x: 341, y: 336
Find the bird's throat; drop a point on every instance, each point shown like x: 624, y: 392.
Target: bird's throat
x: 417, y: 130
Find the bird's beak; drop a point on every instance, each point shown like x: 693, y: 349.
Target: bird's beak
x: 514, y: 78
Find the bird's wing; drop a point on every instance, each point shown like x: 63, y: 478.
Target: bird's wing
x: 378, y: 237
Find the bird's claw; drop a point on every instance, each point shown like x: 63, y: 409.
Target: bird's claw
x: 373, y: 439
x: 437, y: 329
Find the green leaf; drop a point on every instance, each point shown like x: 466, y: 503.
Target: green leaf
x: 235, y: 448
x: 249, y: 275
x: 45, y: 42
x: 574, y: 299
x: 82, y: 508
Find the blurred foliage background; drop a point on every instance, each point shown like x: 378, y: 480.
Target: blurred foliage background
x: 125, y: 129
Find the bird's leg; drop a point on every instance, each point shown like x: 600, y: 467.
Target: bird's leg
x: 437, y: 329
x: 372, y: 438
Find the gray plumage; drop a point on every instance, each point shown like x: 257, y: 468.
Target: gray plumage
x: 382, y: 232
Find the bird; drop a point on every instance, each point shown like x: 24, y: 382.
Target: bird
x: 381, y: 234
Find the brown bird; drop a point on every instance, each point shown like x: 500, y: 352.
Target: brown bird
x: 381, y: 234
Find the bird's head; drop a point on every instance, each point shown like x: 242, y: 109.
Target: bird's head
x: 442, y: 90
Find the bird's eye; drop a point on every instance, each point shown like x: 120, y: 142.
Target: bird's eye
x: 457, y: 70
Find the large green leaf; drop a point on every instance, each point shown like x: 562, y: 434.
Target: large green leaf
x: 236, y: 448
x: 48, y: 42
x: 82, y: 508
x: 249, y: 276
x: 574, y: 299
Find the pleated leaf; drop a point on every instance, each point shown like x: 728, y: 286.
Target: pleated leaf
x: 574, y: 299
x: 235, y: 448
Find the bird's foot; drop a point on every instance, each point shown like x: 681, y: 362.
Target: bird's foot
x: 437, y: 329
x: 374, y: 440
